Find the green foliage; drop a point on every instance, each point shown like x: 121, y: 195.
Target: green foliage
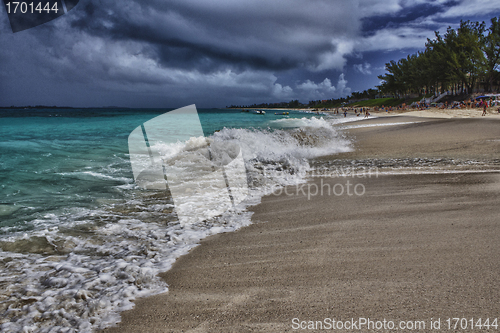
x: 491, y: 44
x: 457, y: 61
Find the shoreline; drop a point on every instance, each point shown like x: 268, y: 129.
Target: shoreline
x: 312, y: 259
x: 430, y: 113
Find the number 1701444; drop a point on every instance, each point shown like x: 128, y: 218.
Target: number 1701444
x: 40, y: 7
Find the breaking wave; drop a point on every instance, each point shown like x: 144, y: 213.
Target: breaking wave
x: 77, y: 270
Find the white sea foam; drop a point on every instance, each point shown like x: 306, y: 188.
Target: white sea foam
x: 92, y: 174
x: 326, y: 121
x: 91, y: 264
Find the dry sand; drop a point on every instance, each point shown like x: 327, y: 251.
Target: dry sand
x: 491, y: 113
x: 413, y: 247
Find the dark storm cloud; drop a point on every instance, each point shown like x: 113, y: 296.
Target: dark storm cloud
x: 405, y: 16
x: 192, y: 33
x: 215, y: 53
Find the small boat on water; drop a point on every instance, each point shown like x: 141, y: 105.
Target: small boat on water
x: 282, y: 113
x: 259, y: 112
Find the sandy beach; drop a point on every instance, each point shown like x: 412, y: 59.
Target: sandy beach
x: 411, y: 248
x: 433, y: 112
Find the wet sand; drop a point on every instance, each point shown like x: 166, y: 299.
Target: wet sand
x: 413, y: 247
x: 423, y: 137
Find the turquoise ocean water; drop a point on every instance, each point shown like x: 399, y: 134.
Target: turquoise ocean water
x: 52, y: 161
x: 79, y: 241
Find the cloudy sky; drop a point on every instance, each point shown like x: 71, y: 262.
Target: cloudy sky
x: 172, y: 53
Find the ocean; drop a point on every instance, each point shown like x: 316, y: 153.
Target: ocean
x: 80, y: 240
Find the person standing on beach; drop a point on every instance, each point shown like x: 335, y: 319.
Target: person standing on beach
x: 485, y: 105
